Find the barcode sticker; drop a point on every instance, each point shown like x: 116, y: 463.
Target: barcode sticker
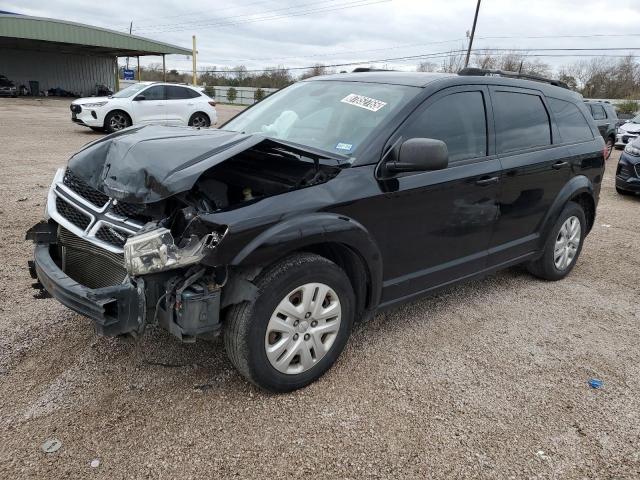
x: 363, y: 102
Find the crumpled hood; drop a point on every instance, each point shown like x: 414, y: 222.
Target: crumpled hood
x: 150, y: 163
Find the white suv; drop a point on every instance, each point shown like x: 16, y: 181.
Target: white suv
x: 145, y: 102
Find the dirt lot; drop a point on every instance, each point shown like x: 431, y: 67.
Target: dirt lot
x: 488, y: 379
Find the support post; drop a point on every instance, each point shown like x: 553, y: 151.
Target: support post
x: 139, y: 79
x: 164, y: 69
x: 473, y: 32
x: 195, y: 80
x: 117, y: 75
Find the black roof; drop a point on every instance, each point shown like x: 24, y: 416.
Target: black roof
x: 411, y: 79
x: 423, y: 79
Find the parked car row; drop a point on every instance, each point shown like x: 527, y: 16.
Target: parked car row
x: 7, y: 87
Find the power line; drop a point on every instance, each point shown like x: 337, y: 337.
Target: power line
x: 413, y: 45
x: 352, y: 4
x: 234, y: 7
x: 199, y: 22
x: 437, y: 55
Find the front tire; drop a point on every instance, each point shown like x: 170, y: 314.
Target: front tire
x: 563, y: 245
x: 296, y: 328
x: 116, y: 121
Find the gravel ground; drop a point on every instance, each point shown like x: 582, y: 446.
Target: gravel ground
x: 488, y: 379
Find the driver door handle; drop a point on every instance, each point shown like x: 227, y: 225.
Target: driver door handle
x: 559, y: 165
x: 487, y: 181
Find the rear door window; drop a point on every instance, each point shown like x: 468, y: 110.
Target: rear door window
x: 459, y: 120
x: 598, y: 112
x: 180, y: 93
x: 521, y: 121
x: 571, y: 123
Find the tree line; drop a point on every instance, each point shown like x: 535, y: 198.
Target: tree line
x: 593, y: 78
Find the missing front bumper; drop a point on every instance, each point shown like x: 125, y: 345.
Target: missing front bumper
x: 115, y: 310
x: 185, y: 308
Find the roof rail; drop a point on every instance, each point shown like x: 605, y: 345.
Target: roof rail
x: 367, y: 69
x: 485, y: 72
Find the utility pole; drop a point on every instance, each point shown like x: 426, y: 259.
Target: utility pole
x: 473, y: 32
x: 130, y: 28
x: 195, y: 81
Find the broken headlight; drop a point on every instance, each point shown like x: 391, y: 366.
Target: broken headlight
x: 156, y: 250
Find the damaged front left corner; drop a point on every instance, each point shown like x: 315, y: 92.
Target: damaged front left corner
x: 155, y: 251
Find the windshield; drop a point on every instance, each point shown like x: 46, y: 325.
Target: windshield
x: 332, y: 116
x: 130, y: 90
x: 635, y: 119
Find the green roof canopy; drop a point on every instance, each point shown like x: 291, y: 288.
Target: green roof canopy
x: 20, y: 31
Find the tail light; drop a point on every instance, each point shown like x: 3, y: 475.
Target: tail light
x: 212, y: 103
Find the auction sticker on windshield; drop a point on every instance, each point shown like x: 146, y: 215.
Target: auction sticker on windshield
x: 363, y: 102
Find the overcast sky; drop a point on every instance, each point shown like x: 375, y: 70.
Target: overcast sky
x: 259, y: 34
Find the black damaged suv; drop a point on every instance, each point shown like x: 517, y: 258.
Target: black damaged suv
x: 330, y: 200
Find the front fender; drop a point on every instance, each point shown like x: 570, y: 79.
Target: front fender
x: 297, y: 233
x: 576, y: 186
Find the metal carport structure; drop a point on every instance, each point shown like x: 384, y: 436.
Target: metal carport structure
x: 69, y: 55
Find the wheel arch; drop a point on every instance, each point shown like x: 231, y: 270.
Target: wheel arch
x: 580, y: 190
x: 119, y: 109
x: 337, y: 238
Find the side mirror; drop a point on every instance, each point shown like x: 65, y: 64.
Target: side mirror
x: 139, y: 97
x: 419, y: 155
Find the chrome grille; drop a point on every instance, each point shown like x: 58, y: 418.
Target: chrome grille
x: 72, y: 214
x: 89, y: 264
x: 111, y: 235
x: 130, y: 210
x: 99, y: 225
x: 79, y: 186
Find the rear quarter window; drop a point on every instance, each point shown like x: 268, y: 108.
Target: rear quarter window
x: 598, y: 112
x: 572, y: 125
x: 521, y: 121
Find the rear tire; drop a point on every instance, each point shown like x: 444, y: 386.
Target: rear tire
x: 562, y: 246
x: 610, y: 143
x: 199, y: 120
x: 304, y: 344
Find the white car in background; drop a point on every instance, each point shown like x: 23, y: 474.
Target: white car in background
x: 627, y: 132
x: 144, y: 103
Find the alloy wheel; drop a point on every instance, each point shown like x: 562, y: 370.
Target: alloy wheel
x: 118, y: 122
x: 303, y: 328
x: 199, y: 121
x: 567, y: 243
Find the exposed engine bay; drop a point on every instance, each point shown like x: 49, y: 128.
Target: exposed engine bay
x: 254, y: 174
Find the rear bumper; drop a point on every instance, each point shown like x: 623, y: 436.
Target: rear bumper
x: 114, y: 310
